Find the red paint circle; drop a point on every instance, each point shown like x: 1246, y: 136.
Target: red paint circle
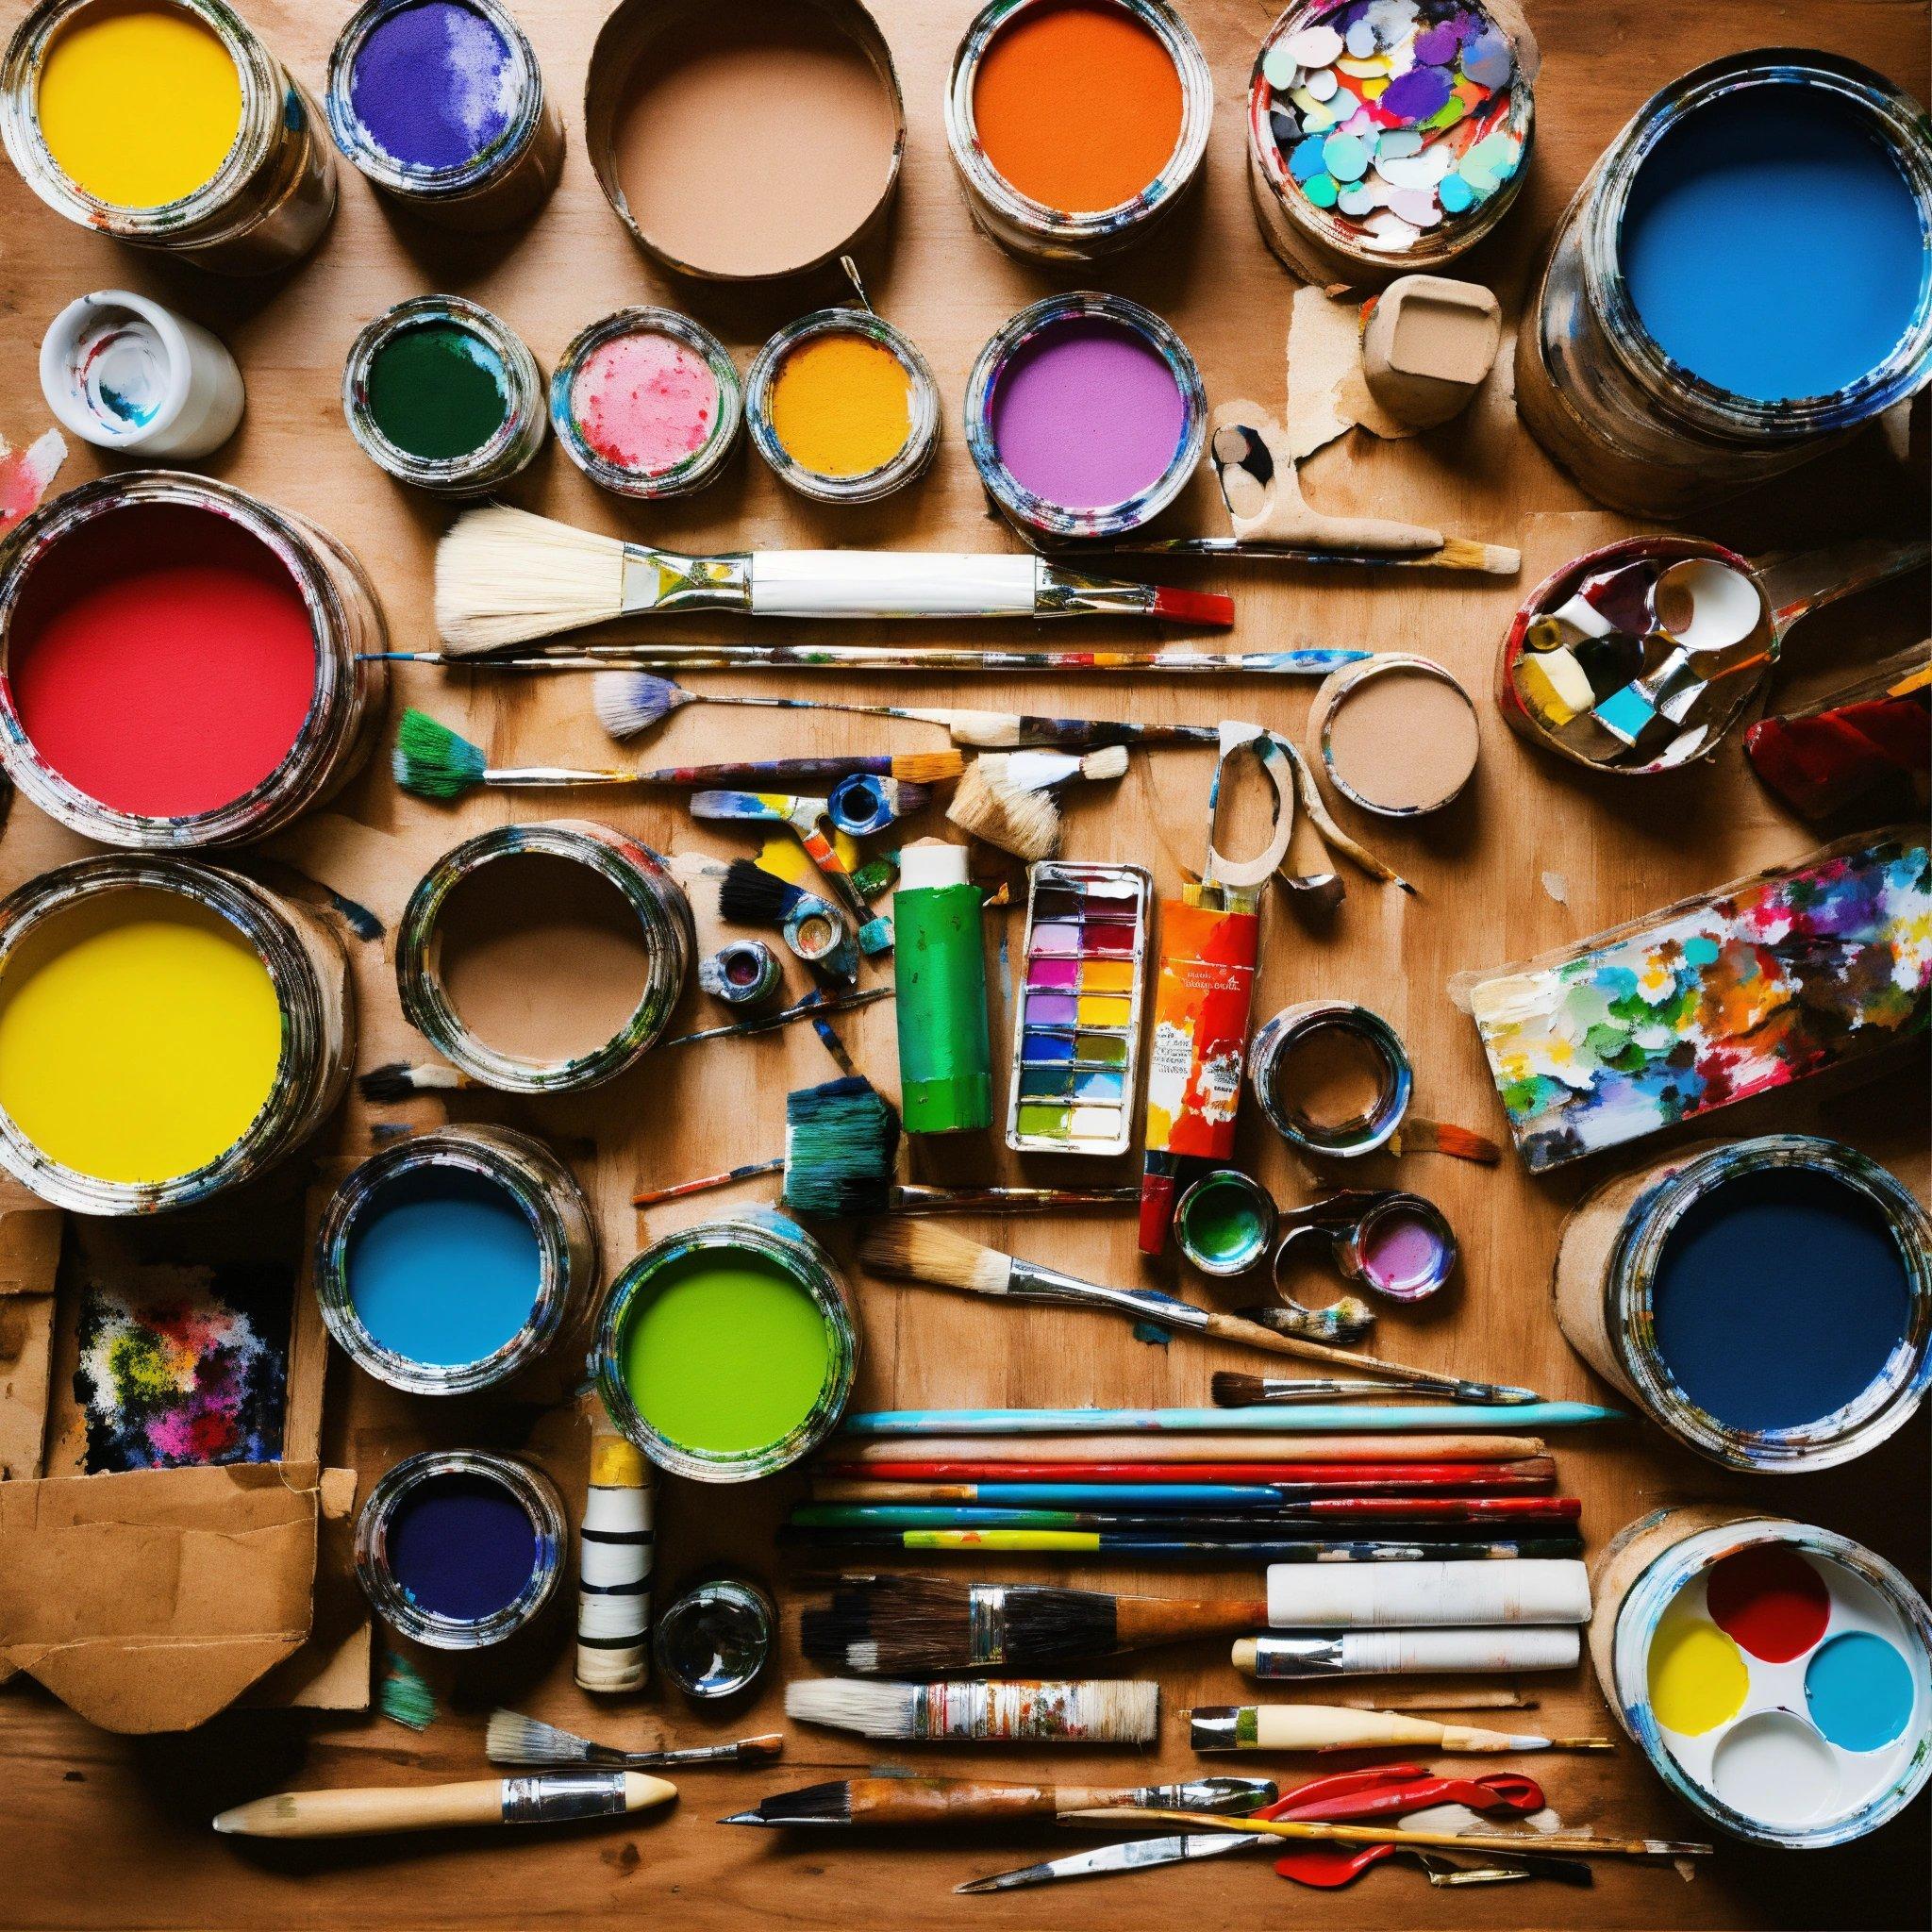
x: 1770, y: 1600
x: 161, y: 660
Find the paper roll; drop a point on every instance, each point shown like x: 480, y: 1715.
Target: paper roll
x: 1385, y: 1596
x: 614, y: 1566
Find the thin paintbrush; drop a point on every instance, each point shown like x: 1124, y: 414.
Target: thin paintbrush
x: 1263, y: 1421
x: 629, y: 703
x: 1342, y: 1727
x: 1095, y: 1711
x: 1231, y: 1389
x: 1212, y: 1524
x: 548, y: 1799
x: 1124, y: 1444
x: 955, y: 1801
x: 1149, y: 1547
x: 1289, y: 1480
x: 1452, y: 553
x: 921, y: 768
x: 1119, y: 1506
x: 513, y: 1739
x: 1176, y: 660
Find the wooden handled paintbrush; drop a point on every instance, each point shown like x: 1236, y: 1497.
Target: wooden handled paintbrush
x: 1340, y: 1727
x: 548, y: 1799
x: 961, y: 1801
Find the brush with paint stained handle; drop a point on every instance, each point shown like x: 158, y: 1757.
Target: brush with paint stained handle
x: 926, y: 1801
x: 1101, y: 1509
x: 1263, y: 1496
x: 1342, y: 1727
x: 971, y: 1449
x: 550, y: 1798
x: 1184, y: 1545
x: 952, y: 1710
x: 877, y: 1481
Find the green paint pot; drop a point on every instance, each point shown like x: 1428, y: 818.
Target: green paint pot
x: 1225, y: 1222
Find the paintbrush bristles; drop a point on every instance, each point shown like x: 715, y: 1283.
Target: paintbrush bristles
x: 925, y: 767
x: 629, y: 703
x: 1026, y: 824
x: 1085, y: 1712
x: 840, y: 1141
x: 917, y: 1626
x: 920, y: 1251
x: 433, y: 761
x: 513, y: 1739
x: 504, y: 576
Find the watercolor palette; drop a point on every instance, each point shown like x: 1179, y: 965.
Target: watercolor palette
x: 1076, y: 1036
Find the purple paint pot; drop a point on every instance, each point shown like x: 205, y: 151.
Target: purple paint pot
x: 1402, y: 1252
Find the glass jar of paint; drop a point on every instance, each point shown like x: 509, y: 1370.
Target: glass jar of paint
x: 1738, y: 285
x: 168, y: 125
x: 1085, y: 416
x: 1076, y: 125
x: 1766, y: 1302
x: 441, y: 104
x: 1336, y: 201
x: 726, y: 1350
x: 1333, y: 1079
x: 646, y: 403
x: 443, y: 395
x: 159, y: 707
x: 453, y: 1260
x: 1776, y: 1675
x: 461, y: 1549
x: 544, y: 957
x: 842, y: 407
x: 168, y: 1031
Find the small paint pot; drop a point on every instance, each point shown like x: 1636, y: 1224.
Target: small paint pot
x: 1778, y: 1675
x: 1395, y: 734
x: 168, y: 1031
x: 646, y: 403
x: 168, y: 125
x: 1398, y: 1245
x: 816, y: 935
x: 714, y: 1640
x: 1225, y: 1222
x: 727, y: 1350
x: 1694, y: 1285
x: 1333, y: 1079
x: 125, y: 374
x: 459, y: 1549
x: 441, y: 104
x: 1085, y: 416
x: 842, y: 407
x: 743, y: 973
x: 445, y: 395
x: 498, y: 923
x: 451, y: 1261
x: 1052, y: 108
x: 862, y: 804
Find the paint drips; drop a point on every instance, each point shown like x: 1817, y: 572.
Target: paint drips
x: 645, y: 402
x: 25, y: 475
x: 434, y: 85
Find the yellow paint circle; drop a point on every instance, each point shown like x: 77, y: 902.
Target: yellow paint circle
x: 138, y: 102
x: 140, y: 1035
x: 1698, y: 1676
x: 842, y: 405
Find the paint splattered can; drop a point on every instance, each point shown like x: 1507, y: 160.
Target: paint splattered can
x: 441, y: 104
x: 166, y: 123
x: 453, y: 1260
x: 1225, y: 1222
x: 1665, y: 376
x: 443, y: 395
x: 168, y: 1031
x: 1697, y: 1284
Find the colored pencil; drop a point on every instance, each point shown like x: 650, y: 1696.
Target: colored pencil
x: 1181, y: 1496
x: 1092, y: 1541
x: 1327, y: 1419
x: 1137, y: 1446
x: 1531, y: 1472
x: 1243, y: 1526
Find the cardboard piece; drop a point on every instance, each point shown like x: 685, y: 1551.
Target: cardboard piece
x: 1427, y: 345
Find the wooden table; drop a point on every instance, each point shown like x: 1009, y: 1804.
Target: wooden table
x: 110, y: 1832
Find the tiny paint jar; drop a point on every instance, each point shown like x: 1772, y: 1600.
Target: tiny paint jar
x: 1022, y: 219
x: 1616, y: 1250
x: 473, y: 178
x: 1733, y: 1622
x: 661, y: 355
x: 714, y: 1639
x: 201, y: 776
x: 266, y: 202
x: 743, y: 973
x: 1397, y: 1245
x: 473, y: 1180
x: 1633, y: 425
x: 1224, y: 1223
x: 767, y: 405
x: 1357, y: 1034
x: 665, y: 940
x: 431, y: 1515
x: 1432, y: 782
x: 773, y: 1254
x: 269, y: 970
x: 1027, y: 340
x: 505, y: 396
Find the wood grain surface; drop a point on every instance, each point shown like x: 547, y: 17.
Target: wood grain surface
x: 102, y: 1831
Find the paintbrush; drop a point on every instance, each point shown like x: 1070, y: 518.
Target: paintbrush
x: 1089, y: 1712
x: 629, y: 703
x: 1285, y: 1477
x: 750, y: 896
x: 1235, y: 1448
x: 1006, y: 798
x: 1140, y: 1547
x: 1416, y: 1515
x: 513, y: 1739
x: 955, y: 1801
x: 810, y: 822
x: 1233, y: 1390
x: 1452, y: 553
x: 550, y: 1798
x: 1380, y: 1652
x: 916, y: 770
x: 1263, y: 1421
x: 1342, y: 1727
x: 1176, y: 660
x: 1216, y: 1497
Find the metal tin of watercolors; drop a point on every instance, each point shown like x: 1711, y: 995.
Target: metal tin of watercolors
x: 456, y: 1586
x: 501, y: 361
x: 330, y: 717
x: 742, y: 974
x: 1271, y: 1074
x: 665, y: 928
x: 1778, y: 1675
x: 493, y: 1166
x: 763, y: 386
x: 265, y: 203
x: 515, y: 149
x: 1450, y: 761
x: 1031, y: 225
x: 640, y: 454
x: 250, y: 946
x: 1225, y: 1222
x: 1637, y: 428
x: 774, y: 1251
x: 713, y: 1640
x: 1622, y: 1242
x: 1030, y: 331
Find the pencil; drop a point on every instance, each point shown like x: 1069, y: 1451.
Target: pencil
x: 1317, y: 1419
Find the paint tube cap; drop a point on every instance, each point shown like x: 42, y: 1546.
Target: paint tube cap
x: 929, y: 864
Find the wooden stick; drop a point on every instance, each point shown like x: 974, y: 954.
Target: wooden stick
x: 1572, y: 1841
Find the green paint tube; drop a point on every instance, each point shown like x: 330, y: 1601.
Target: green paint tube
x: 945, y: 1063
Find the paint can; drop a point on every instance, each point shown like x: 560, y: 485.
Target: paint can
x: 184, y: 664
x: 1694, y: 1285
x: 1077, y: 128
x: 1396, y: 734
x: 1085, y: 416
x: 1336, y: 200
x: 945, y: 1056
x: 451, y: 1261
x: 441, y: 104
x: 459, y: 1549
x: 125, y: 374
x: 1397, y: 1244
x: 443, y: 395
x: 743, y: 973
x: 168, y: 1031
x: 1225, y: 1222
x: 713, y: 1640
x: 498, y: 921
x: 727, y: 1350
x: 1774, y: 1674
x: 228, y: 169
x: 1334, y: 1079
x: 1608, y: 370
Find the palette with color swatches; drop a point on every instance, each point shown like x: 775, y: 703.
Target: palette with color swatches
x: 1076, y: 1036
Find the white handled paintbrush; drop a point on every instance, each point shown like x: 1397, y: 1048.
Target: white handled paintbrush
x: 1085, y: 1712
x: 1342, y: 1727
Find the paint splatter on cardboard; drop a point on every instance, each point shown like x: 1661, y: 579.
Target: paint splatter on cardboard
x: 25, y: 475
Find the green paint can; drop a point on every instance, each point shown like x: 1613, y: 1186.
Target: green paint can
x: 1225, y: 1222
x: 946, y: 1057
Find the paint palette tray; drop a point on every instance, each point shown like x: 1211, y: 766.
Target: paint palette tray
x: 1077, y: 1031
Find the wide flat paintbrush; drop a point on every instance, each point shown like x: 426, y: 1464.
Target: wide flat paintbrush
x: 1089, y: 1712
x: 514, y: 1739
x: 962, y: 1801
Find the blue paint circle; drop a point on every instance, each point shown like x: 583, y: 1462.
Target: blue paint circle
x: 461, y: 1546
x: 434, y: 84
x: 1859, y: 1691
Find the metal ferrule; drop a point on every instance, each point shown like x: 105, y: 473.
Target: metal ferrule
x: 1030, y: 1282
x: 664, y: 580
x: 986, y: 1624
x: 1299, y: 1656
x: 1232, y: 1795
x: 555, y: 1795
x: 1222, y: 1728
